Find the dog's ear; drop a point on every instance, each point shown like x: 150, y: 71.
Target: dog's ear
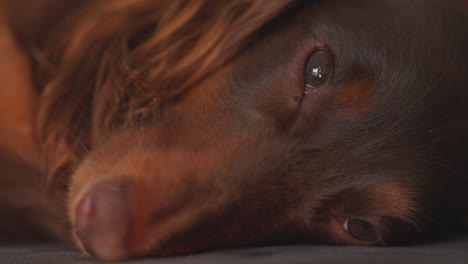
x: 17, y: 96
x: 28, y: 20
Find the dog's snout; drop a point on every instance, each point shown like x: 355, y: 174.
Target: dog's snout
x: 102, y: 220
x: 175, y: 199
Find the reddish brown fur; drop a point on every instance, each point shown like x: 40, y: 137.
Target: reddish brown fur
x: 180, y: 115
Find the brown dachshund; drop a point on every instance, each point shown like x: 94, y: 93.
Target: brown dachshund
x: 170, y: 127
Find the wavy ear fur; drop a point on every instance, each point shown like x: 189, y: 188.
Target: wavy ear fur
x: 110, y: 64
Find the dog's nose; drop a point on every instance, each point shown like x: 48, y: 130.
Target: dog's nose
x: 102, y: 220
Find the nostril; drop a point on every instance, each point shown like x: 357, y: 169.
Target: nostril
x: 101, y: 221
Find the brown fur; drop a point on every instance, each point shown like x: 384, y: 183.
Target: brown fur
x: 189, y: 110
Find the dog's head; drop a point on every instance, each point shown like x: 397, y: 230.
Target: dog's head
x: 253, y: 122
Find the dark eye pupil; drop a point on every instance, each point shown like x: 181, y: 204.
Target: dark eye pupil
x: 317, y: 70
x: 361, y: 230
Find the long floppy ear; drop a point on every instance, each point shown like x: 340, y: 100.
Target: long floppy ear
x: 23, y: 203
x: 113, y: 63
x: 18, y: 97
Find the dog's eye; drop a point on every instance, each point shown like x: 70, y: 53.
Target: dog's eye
x: 360, y: 229
x: 318, y: 69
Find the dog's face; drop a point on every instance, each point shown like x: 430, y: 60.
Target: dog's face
x: 342, y: 122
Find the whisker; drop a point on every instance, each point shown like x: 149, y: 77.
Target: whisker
x: 78, y: 140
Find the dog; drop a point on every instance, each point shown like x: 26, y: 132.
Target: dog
x: 160, y: 128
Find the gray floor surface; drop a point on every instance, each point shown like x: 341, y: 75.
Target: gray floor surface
x: 453, y: 252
